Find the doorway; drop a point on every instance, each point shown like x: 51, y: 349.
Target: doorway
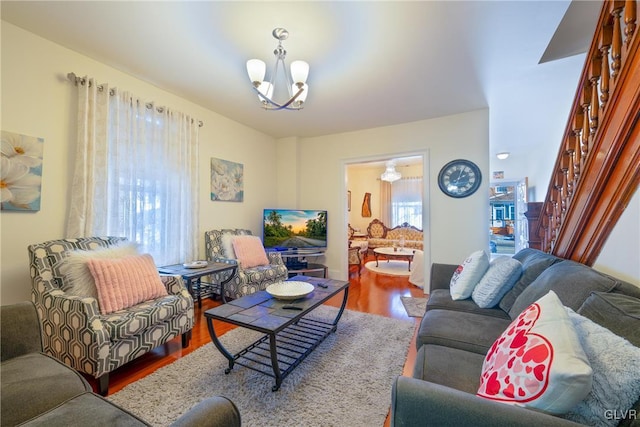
x: 362, y: 176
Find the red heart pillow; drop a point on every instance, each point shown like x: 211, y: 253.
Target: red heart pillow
x: 538, y: 361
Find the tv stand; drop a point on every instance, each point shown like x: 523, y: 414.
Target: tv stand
x: 296, y: 263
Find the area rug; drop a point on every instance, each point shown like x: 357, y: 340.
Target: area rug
x: 392, y: 268
x: 346, y: 381
x: 415, y: 306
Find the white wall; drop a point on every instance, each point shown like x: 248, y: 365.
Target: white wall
x: 38, y: 100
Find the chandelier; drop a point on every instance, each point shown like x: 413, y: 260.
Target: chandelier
x: 296, y: 81
x: 390, y: 174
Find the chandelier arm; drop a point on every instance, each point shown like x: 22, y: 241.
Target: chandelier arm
x: 277, y: 106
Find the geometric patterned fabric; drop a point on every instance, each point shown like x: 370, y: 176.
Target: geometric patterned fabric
x: 73, y: 328
x: 245, y: 281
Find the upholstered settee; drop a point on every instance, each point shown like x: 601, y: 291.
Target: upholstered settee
x: 379, y: 235
x: 456, y: 337
x: 245, y: 280
x: 39, y: 390
x: 76, y: 329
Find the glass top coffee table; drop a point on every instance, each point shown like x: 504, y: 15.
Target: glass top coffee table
x: 290, y: 334
x: 394, y: 253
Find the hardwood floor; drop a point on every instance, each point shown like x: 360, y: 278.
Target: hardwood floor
x: 369, y: 293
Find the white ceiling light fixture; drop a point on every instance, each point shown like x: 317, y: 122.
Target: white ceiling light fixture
x: 503, y: 155
x: 391, y: 174
x: 296, y: 81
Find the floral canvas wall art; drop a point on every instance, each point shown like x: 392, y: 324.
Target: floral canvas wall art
x: 227, y: 181
x: 21, y: 172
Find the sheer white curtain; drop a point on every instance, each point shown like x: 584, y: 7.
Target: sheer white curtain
x: 136, y: 173
x: 406, y: 202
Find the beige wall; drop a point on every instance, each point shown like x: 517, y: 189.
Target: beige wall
x: 38, y: 100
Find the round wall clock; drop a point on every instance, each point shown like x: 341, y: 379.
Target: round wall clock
x: 459, y: 178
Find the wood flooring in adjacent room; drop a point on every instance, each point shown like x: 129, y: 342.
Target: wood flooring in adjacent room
x: 369, y: 293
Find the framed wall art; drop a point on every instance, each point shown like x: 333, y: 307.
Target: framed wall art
x: 227, y: 181
x: 21, y: 172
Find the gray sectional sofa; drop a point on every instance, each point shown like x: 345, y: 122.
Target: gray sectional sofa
x: 39, y: 390
x: 454, y: 337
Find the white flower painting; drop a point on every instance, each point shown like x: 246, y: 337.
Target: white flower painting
x: 227, y: 181
x: 21, y: 172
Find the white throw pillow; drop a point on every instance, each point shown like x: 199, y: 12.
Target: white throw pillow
x: 538, y: 361
x: 616, y: 374
x: 502, y: 274
x: 77, y: 279
x: 227, y: 245
x: 468, y: 274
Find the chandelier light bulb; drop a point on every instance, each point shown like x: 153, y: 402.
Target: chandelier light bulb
x: 391, y: 174
x: 299, y: 71
x: 256, y: 70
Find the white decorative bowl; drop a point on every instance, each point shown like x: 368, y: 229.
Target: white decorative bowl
x: 195, y: 264
x: 290, y: 290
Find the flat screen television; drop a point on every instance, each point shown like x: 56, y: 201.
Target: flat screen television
x: 294, y: 229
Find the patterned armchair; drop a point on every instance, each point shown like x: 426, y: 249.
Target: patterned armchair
x: 245, y: 281
x: 78, y: 334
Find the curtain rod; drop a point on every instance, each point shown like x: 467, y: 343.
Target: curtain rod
x: 82, y: 80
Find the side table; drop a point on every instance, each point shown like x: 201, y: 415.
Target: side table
x: 192, y: 277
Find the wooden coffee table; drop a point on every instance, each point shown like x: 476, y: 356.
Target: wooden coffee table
x: 290, y: 334
x: 397, y: 253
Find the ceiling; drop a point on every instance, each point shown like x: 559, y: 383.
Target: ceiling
x: 372, y: 63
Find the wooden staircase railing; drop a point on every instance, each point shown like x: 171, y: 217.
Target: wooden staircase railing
x: 597, y: 169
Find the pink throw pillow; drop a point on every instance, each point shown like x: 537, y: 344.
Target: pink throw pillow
x: 538, y: 362
x: 125, y: 282
x: 249, y: 251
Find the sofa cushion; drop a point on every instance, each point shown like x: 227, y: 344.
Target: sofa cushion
x: 87, y: 409
x: 497, y: 281
x: 125, y: 282
x: 150, y: 314
x: 468, y: 274
x: 456, y: 329
x: 249, y: 251
x: 616, y: 312
x: 77, y: 279
x: 227, y: 245
x: 538, y: 361
x: 441, y: 299
x: 39, y: 380
x: 616, y: 374
x: 448, y: 366
x: 533, y: 262
x: 571, y: 281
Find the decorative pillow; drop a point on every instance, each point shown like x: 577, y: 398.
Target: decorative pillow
x: 502, y: 274
x: 468, y: 274
x: 618, y: 313
x: 77, y: 278
x: 616, y: 374
x: 249, y: 251
x: 227, y: 245
x: 538, y: 361
x: 125, y: 282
